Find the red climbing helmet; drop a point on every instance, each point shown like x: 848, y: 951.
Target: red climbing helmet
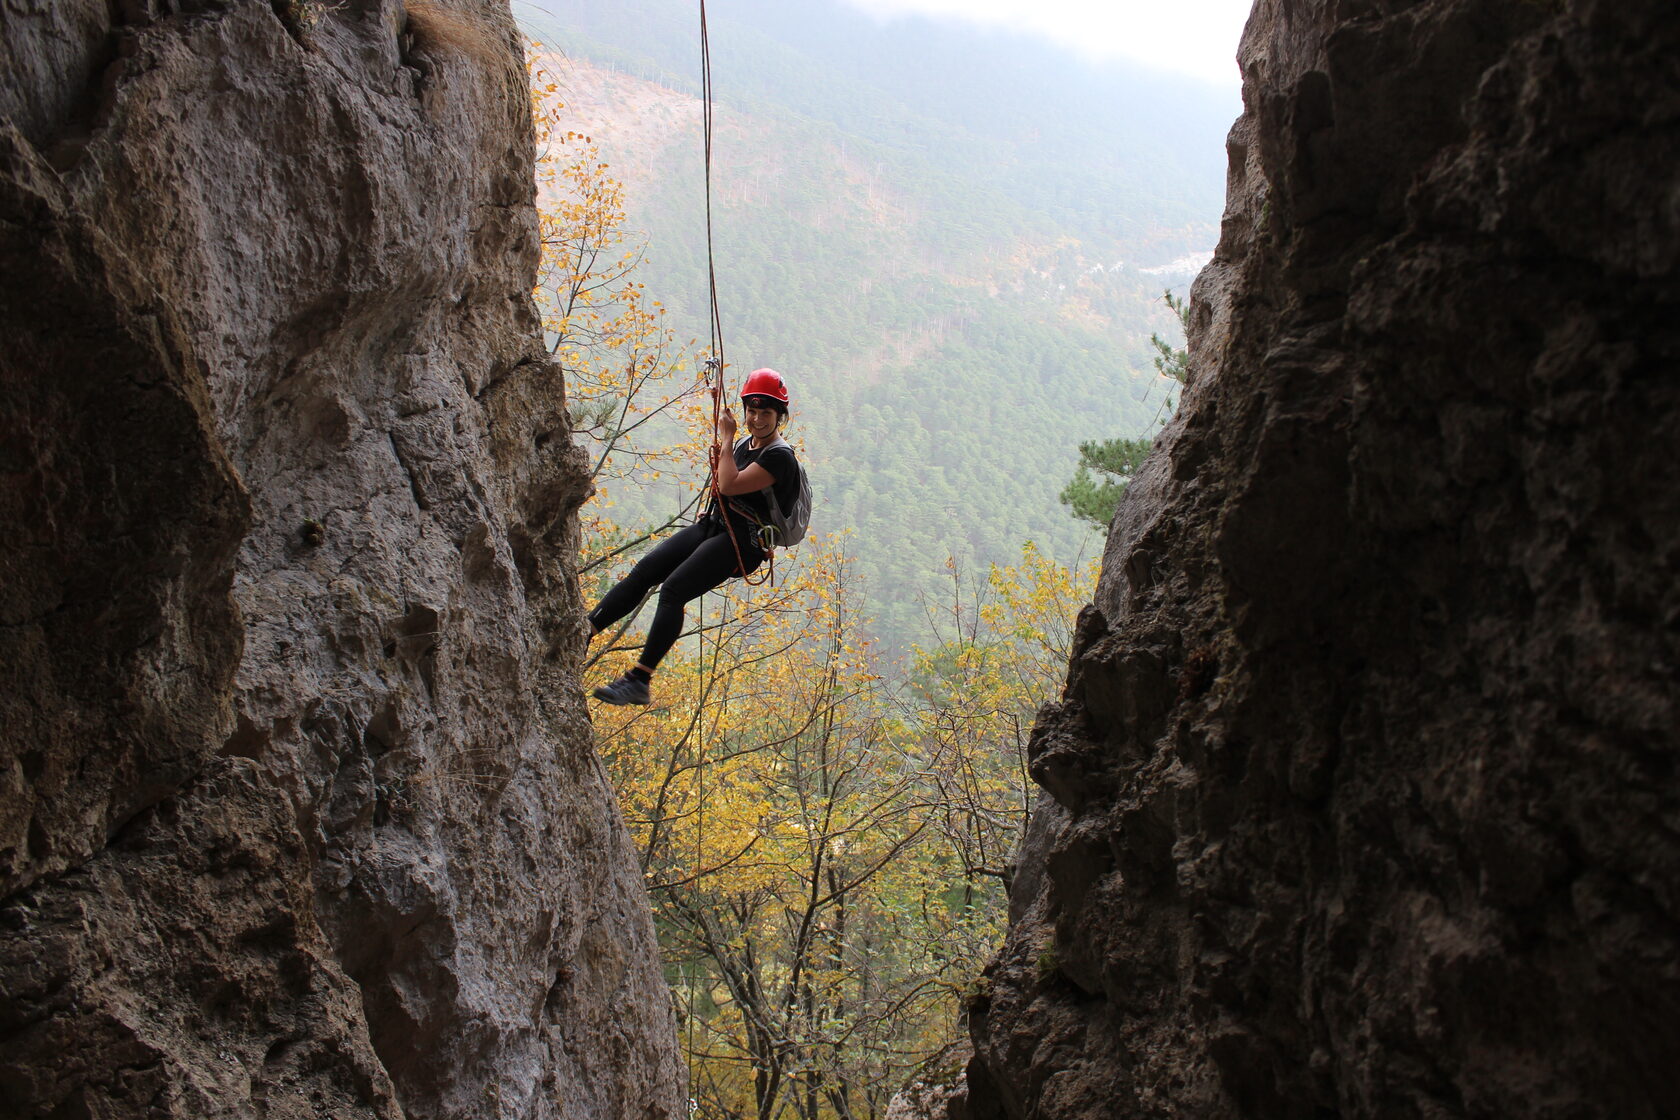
x: 765, y: 383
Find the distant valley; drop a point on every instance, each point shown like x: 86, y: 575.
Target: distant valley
x: 953, y: 244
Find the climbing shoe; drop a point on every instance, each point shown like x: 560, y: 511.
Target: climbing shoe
x: 625, y: 690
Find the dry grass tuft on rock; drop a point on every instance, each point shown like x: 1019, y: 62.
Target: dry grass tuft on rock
x: 438, y: 30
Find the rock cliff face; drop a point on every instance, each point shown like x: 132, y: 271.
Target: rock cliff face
x: 299, y: 811
x: 1362, y: 800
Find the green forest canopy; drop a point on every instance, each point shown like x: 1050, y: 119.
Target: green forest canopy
x: 939, y: 235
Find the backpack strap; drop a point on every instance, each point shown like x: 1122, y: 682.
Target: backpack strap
x: 771, y: 489
x: 777, y: 442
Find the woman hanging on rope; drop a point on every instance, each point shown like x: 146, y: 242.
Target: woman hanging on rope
x: 724, y: 542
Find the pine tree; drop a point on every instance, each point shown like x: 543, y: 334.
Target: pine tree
x: 1106, y: 467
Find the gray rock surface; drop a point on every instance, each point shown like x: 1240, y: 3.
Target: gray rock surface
x: 1362, y: 800
x: 301, y: 815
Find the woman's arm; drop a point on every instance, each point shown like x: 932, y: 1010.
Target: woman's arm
x: 731, y: 480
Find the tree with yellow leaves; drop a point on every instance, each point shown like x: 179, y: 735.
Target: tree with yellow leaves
x: 627, y: 377
x: 776, y: 811
x: 1005, y: 651
x: 827, y: 860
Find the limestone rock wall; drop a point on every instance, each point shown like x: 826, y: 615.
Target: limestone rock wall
x: 299, y: 810
x: 1362, y: 800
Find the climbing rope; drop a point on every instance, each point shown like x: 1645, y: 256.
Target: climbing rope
x: 700, y: 812
x: 715, y: 368
x: 706, y: 123
x: 714, y: 382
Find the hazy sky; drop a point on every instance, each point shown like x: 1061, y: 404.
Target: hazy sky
x: 1196, y: 37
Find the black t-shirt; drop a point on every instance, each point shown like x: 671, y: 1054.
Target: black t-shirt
x: 783, y: 467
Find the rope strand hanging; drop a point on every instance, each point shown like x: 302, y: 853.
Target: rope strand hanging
x: 716, y: 362
x: 716, y: 366
x: 716, y: 379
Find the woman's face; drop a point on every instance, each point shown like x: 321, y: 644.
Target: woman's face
x: 761, y: 422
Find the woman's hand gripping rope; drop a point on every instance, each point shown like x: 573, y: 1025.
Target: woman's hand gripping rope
x: 724, y: 479
x: 726, y: 425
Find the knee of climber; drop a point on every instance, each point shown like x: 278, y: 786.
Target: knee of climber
x: 673, y: 598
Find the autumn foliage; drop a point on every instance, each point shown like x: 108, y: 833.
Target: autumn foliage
x: 827, y: 851
x: 630, y: 384
x: 828, y: 855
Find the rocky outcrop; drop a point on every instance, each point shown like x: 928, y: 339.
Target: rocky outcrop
x: 301, y: 815
x: 1361, y: 800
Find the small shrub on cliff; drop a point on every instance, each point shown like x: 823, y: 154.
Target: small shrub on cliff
x: 1106, y: 466
x: 1105, y: 469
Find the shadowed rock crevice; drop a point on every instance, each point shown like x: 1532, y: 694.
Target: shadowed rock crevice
x: 1355, y: 804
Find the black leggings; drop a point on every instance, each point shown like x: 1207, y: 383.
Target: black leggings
x: 688, y: 564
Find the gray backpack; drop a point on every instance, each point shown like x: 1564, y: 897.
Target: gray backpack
x: 787, y: 527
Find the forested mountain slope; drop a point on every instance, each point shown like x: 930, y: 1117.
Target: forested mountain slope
x: 952, y: 243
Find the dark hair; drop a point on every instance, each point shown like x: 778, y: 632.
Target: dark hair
x: 759, y: 400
